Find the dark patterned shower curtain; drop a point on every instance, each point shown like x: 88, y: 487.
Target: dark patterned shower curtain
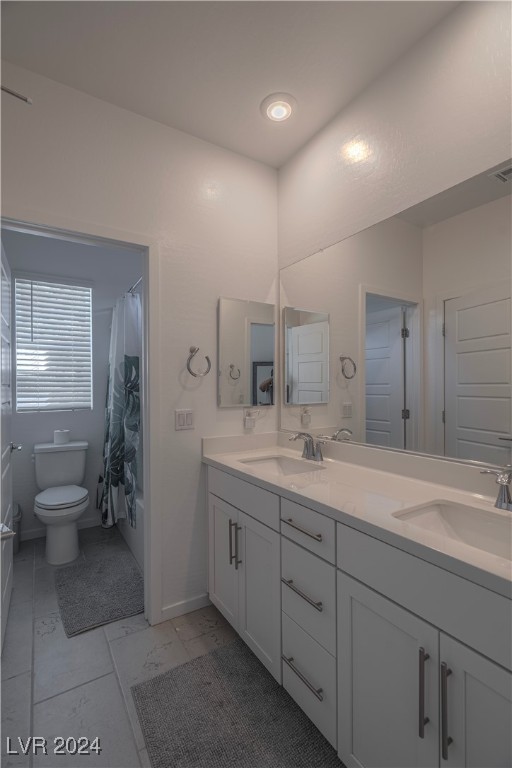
x: 122, y: 417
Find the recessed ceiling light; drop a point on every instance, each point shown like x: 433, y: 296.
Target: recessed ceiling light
x: 278, y: 107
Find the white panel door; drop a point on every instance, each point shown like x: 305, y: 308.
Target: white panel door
x: 478, y: 375
x: 478, y: 709
x: 384, y: 378
x: 381, y: 698
x: 259, y: 595
x: 310, y: 363
x: 222, y: 574
x: 6, y: 446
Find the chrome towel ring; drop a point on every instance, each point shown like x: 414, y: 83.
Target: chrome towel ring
x: 348, y: 367
x: 194, y: 351
x: 231, y: 371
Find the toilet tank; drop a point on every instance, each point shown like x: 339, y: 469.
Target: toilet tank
x: 60, y: 464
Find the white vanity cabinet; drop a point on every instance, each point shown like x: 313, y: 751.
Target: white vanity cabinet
x: 478, y: 706
x: 387, y: 676
x: 400, y: 663
x: 308, y: 579
x: 244, y: 564
x: 396, y: 669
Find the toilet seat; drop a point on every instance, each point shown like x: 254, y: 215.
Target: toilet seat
x: 61, y: 497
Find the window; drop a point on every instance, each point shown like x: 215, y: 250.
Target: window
x: 53, y: 346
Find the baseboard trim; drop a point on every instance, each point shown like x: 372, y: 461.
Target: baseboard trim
x: 185, y: 606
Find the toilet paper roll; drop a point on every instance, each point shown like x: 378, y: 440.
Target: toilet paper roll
x: 61, y: 436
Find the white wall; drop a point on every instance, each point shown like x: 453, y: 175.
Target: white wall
x: 385, y: 258
x: 111, y: 273
x: 438, y: 116
x: 77, y: 162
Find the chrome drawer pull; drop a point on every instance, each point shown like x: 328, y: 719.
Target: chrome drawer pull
x: 423, y: 657
x: 315, y: 536
x: 230, y: 538
x: 289, y: 583
x: 316, y: 691
x: 445, y: 739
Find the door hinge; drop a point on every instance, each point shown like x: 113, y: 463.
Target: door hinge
x: 406, y: 414
x: 443, y: 416
x: 404, y: 333
x: 443, y: 329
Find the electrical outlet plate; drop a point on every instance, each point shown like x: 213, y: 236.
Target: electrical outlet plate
x: 183, y: 419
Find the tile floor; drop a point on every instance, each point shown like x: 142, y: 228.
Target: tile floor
x: 53, y: 685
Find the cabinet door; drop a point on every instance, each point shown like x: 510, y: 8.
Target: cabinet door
x: 478, y: 709
x: 222, y: 575
x: 381, y: 695
x: 259, y: 592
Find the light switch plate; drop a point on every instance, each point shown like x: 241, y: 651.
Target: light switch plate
x: 347, y: 410
x: 183, y: 419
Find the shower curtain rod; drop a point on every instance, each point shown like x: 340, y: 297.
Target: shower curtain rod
x: 17, y: 95
x: 131, y: 290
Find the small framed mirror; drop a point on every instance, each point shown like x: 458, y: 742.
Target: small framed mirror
x: 246, y: 353
x: 306, y: 357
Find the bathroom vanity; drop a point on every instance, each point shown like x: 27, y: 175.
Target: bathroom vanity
x: 364, y: 594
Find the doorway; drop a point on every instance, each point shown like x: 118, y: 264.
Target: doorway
x: 128, y: 263
x: 391, y: 420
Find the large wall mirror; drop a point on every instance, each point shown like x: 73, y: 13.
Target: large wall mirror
x: 246, y: 353
x: 420, y: 326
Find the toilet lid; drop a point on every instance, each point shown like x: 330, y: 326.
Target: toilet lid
x: 62, y: 496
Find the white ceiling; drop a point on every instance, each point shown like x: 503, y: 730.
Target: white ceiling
x: 205, y: 67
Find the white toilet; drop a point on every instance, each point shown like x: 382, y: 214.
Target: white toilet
x: 60, y: 470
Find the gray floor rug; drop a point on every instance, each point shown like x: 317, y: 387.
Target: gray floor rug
x: 99, y: 590
x: 224, y: 710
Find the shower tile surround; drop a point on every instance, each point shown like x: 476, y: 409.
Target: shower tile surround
x: 58, y: 686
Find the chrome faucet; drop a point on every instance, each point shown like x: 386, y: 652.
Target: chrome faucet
x: 503, y: 478
x: 341, y: 435
x: 311, y: 450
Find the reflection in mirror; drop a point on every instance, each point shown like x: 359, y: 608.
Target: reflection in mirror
x: 246, y: 353
x: 421, y: 303
x: 306, y: 357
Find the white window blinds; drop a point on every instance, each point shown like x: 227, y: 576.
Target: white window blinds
x: 53, y: 346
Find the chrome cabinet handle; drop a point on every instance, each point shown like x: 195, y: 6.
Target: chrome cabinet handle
x: 315, y: 536
x: 445, y: 739
x: 15, y: 447
x: 237, y: 560
x: 6, y: 533
x: 423, y: 657
x: 231, y: 555
x: 315, y: 691
x: 317, y: 605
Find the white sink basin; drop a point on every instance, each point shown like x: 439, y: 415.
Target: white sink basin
x: 485, y: 529
x: 282, y: 465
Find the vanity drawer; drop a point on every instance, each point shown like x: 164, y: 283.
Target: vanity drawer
x: 309, y: 529
x: 254, y: 501
x: 307, y: 581
x: 478, y: 617
x: 309, y: 676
